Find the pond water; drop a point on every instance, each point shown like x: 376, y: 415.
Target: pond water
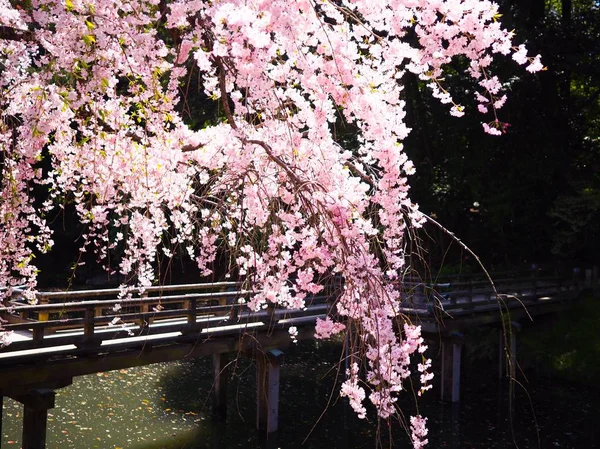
x: 167, y: 406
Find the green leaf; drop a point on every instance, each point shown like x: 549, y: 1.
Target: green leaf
x: 89, y: 39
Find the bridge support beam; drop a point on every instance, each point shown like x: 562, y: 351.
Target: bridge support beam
x: 267, y: 390
x: 219, y: 391
x: 35, y: 416
x: 451, y: 357
x: 507, y: 349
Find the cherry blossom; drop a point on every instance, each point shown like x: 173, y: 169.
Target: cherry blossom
x: 94, y: 88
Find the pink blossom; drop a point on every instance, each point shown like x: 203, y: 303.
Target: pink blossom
x: 500, y: 102
x: 418, y: 429
x: 520, y: 55
x: 293, y: 331
x: 535, y: 65
x: 354, y: 392
x: 492, y: 130
x: 492, y: 85
x: 457, y: 111
x: 327, y: 327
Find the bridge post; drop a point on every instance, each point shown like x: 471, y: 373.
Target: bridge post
x: 219, y: 391
x: 451, y: 356
x: 35, y: 416
x: 267, y: 390
x: 508, y: 336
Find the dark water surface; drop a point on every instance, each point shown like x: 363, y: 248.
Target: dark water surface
x: 167, y: 406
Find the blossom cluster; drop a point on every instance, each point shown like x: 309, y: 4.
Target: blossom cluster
x: 94, y: 87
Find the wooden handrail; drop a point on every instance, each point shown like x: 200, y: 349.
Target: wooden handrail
x: 136, y: 290
x: 82, y: 305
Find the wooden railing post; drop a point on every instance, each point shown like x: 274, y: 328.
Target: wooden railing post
x: 88, y: 327
x: 271, y: 312
x: 185, y: 305
x: 234, y: 313
x: 38, y: 334
x: 144, y: 308
x: 192, y: 311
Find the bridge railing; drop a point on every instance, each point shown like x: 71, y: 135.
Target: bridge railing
x: 478, y: 292
x: 91, y: 317
x: 84, y: 320
x: 55, y: 297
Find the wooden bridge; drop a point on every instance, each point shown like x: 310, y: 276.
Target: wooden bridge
x: 73, y: 333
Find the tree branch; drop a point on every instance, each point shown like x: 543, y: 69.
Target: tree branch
x: 14, y: 34
x: 224, y: 95
x: 276, y: 159
x: 189, y: 148
x: 356, y: 172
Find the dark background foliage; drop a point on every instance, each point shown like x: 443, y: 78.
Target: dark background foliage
x: 532, y: 195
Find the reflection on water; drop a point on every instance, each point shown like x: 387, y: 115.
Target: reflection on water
x: 167, y: 406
